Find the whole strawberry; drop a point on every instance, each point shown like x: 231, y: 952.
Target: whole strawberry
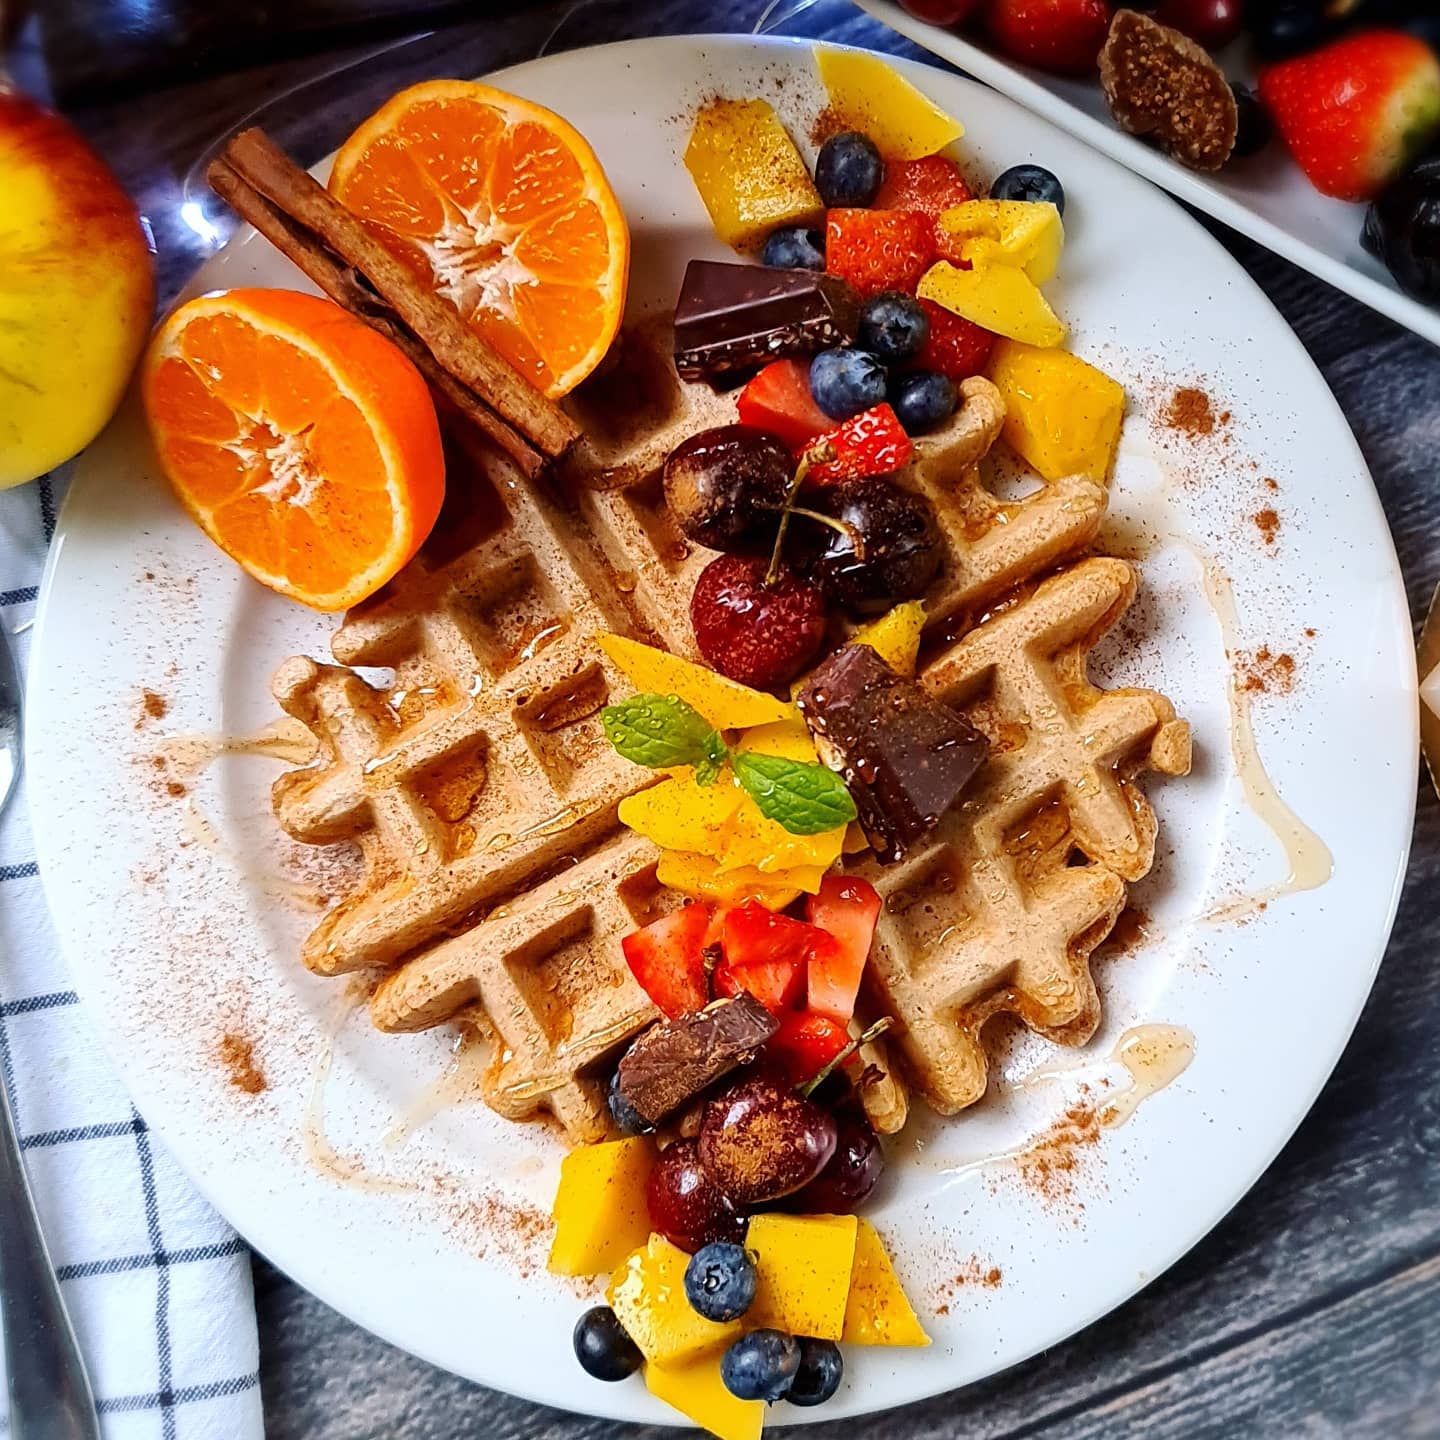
x: 1060, y: 35
x: 1356, y: 112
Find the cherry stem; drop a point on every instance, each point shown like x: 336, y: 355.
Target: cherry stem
x: 843, y: 527
x: 813, y: 456
x: 826, y: 1071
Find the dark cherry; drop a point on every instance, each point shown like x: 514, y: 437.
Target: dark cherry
x: 762, y: 1140
x: 1213, y: 23
x: 900, y: 549
x: 686, y: 1205
x: 726, y: 486
x: 853, y: 1172
x: 761, y: 635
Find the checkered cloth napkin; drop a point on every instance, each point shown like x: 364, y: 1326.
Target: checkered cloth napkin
x: 158, y: 1286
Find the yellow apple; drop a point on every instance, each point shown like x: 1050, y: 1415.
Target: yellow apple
x: 77, y: 287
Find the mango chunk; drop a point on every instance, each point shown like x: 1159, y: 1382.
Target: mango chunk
x: 1026, y: 233
x: 726, y: 705
x: 647, y: 1293
x: 749, y: 173
x: 804, y: 1264
x: 748, y: 838
x: 895, y: 636
x: 1062, y: 415
x: 695, y: 1389
x: 696, y: 875
x: 877, y: 1312
x: 600, y: 1214
x: 678, y: 814
x: 790, y: 738
x: 1002, y: 298
x: 867, y: 94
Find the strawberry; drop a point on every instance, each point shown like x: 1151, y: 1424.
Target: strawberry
x: 1060, y: 35
x: 757, y: 940
x: 667, y: 957
x: 879, y: 250
x: 806, y: 1043
x: 928, y: 186
x: 873, y: 442
x: 778, y: 399
x: 848, y: 908
x: 957, y: 347
x: 1356, y: 112
x: 777, y: 984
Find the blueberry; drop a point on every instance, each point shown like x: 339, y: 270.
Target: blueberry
x: 1280, y: 31
x: 893, y: 327
x: 625, y: 1115
x: 794, y: 248
x: 1029, y: 182
x: 720, y: 1281
x: 761, y: 1365
x: 603, y: 1348
x: 845, y: 382
x: 848, y: 170
x: 822, y: 1367
x: 1254, y: 127
x: 922, y: 400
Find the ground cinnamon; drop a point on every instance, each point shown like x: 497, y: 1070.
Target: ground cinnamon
x: 1190, y: 412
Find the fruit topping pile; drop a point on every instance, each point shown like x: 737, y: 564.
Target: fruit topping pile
x: 726, y: 1217
x: 1351, y: 86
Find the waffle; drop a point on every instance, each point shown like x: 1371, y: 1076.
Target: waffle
x: 1002, y: 909
x: 476, y: 779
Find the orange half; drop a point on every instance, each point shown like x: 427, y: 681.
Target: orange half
x: 502, y: 207
x: 304, y: 443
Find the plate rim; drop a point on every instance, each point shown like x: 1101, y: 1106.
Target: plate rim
x: 935, y: 1383
x: 1387, y: 300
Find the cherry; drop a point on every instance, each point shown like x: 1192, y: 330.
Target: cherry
x: 1212, y: 23
x: 899, y: 551
x: 686, y: 1205
x: 762, y: 635
x: 726, y: 487
x: 853, y: 1172
x: 761, y: 1140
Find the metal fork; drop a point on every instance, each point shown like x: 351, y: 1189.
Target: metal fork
x: 50, y: 1395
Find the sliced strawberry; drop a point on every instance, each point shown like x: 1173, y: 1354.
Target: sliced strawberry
x: 667, y: 957
x: 848, y: 908
x: 873, y: 442
x: 754, y: 935
x: 928, y: 186
x: 879, y: 250
x: 778, y: 399
x: 777, y: 984
x: 957, y: 347
x: 805, y: 1044
x: 1356, y: 112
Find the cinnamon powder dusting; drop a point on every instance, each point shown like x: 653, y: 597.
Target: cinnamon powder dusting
x: 827, y: 123
x: 975, y: 1272
x: 1051, y: 1167
x: 153, y: 706
x: 1189, y: 411
x: 237, y: 1055
x: 1267, y: 522
x: 1262, y: 672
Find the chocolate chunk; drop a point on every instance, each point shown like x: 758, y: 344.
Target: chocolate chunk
x: 733, y: 318
x: 905, y: 755
x: 676, y: 1059
x: 1164, y: 87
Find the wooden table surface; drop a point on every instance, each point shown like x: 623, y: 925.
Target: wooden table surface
x: 1314, y: 1308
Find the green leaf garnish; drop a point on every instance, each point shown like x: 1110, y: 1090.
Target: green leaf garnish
x: 805, y: 799
x: 662, y: 731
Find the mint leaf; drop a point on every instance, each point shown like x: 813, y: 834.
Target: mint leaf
x: 805, y: 799
x: 662, y: 731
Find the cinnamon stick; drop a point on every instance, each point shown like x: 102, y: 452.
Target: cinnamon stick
x: 344, y: 286
x: 264, y: 169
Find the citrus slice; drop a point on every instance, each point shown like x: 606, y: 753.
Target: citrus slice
x: 502, y: 206
x: 304, y: 443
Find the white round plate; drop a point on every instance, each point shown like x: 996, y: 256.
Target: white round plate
x: 182, y: 915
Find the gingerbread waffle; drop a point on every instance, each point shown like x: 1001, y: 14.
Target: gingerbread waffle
x: 476, y: 780
x: 1001, y: 910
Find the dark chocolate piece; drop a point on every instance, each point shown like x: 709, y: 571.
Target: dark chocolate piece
x: 675, y: 1060
x: 733, y: 318
x: 905, y: 755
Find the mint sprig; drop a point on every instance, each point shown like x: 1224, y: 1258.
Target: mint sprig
x: 662, y: 731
